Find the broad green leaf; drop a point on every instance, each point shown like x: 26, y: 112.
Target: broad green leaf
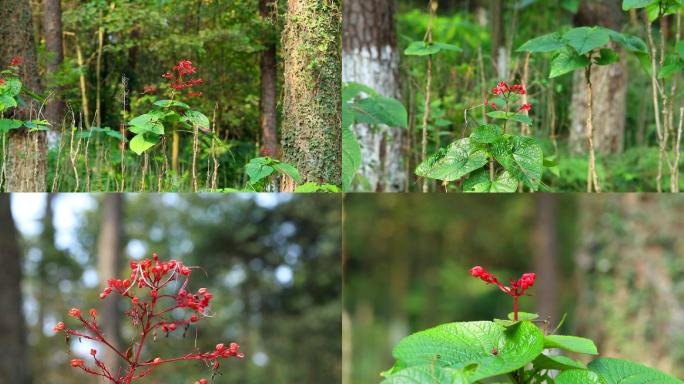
x: 520, y: 118
x: 486, y: 134
x: 680, y: 49
x: 11, y: 87
x: 351, y: 157
x: 479, y: 182
x: 7, y: 125
x: 351, y: 90
x: 312, y: 187
x: 571, y: 6
x: 170, y: 103
x: 631, y: 4
x: 380, y: 110
x: 586, y: 39
x: 470, y: 344
x: 7, y: 101
x: 258, y: 169
x: 558, y: 362
x: 197, y: 119
x: 139, y: 143
x: 453, y: 162
x: 427, y: 374
x: 522, y: 157
x: 670, y: 69
x: 149, y: 122
x: 37, y: 125
x: 567, y: 61
x: 629, y: 42
x: 618, y: 371
x: 523, y: 316
x: 579, y: 376
x: 571, y: 344
x: 287, y: 169
x: 606, y: 57
x: 546, y: 43
x: 421, y: 48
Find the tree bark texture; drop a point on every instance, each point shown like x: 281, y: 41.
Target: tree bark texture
x: 370, y: 57
x: 110, y: 246
x: 269, y: 84
x: 52, y: 23
x: 13, y: 354
x: 311, y: 131
x: 26, y: 152
x: 628, y: 296
x: 609, y: 85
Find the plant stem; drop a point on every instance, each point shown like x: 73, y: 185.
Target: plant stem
x: 592, y: 177
x: 515, y: 308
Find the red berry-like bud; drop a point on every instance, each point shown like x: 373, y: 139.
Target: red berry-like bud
x: 220, y: 347
x: 76, y: 363
x: 202, y: 291
x: 201, y: 381
x: 93, y: 313
x: 193, y: 318
x: 154, y: 293
x: 156, y: 361
x: 93, y: 352
x: 59, y: 327
x: 74, y: 312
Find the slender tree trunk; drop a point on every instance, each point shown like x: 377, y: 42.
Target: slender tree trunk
x: 269, y: 84
x: 52, y: 23
x: 609, y: 85
x: 370, y: 57
x: 26, y: 153
x: 499, y: 54
x: 13, y: 354
x: 110, y: 246
x: 545, y: 253
x: 312, y: 134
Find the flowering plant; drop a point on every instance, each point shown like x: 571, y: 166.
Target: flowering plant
x: 166, y: 282
x: 169, y: 113
x: 10, y: 90
x: 515, y: 350
x: 491, y: 159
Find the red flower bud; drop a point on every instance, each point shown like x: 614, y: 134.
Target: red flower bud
x: 59, y: 327
x: 74, y: 312
x: 76, y: 363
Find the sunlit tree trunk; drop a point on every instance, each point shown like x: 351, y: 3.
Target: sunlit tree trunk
x: 370, y: 57
x: 52, y: 23
x: 609, y: 86
x: 312, y: 109
x: 499, y: 54
x: 27, y: 152
x: 269, y: 82
x: 13, y: 353
x: 110, y: 248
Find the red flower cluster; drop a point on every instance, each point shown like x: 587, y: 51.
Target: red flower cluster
x: 183, y: 68
x: 16, y: 61
x: 516, y: 289
x: 525, y: 107
x: 145, y: 315
x: 508, y: 92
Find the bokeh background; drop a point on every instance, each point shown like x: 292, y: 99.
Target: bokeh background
x: 613, y: 263
x: 273, y: 262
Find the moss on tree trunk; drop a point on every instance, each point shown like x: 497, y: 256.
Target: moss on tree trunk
x: 312, y: 134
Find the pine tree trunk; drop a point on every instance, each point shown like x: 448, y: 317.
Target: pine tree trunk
x: 26, y: 152
x: 110, y: 247
x: 269, y: 82
x: 13, y: 354
x: 609, y: 85
x: 52, y: 23
x: 311, y: 131
x: 370, y: 57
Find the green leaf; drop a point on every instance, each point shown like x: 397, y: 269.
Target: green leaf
x: 606, y: 57
x: 629, y: 42
x: 586, y: 39
x: 312, y: 187
x: 486, y: 134
x: 171, y: 103
x: 451, y: 163
x: 11, y: 87
x: 197, y: 119
x: 520, y: 118
x: 421, y: 48
x: 631, y: 4
x: 571, y: 6
x: 287, y: 169
x: 670, y: 69
x: 470, y: 344
x: 351, y: 157
x: 139, y: 143
x: 149, y: 122
x: 578, y: 376
x: 523, y: 316
x: 567, y: 61
x: 427, y: 374
x: 37, y: 125
x: 7, y: 125
x: 479, y: 182
x: 615, y: 371
x: 547, y: 43
x: 7, y: 101
x: 351, y: 90
x: 558, y: 362
x: 571, y: 344
x: 522, y: 157
x: 380, y: 110
x: 680, y: 49
x: 258, y: 169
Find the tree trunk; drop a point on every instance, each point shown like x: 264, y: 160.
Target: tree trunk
x: 312, y: 134
x: 13, y: 356
x: 26, y: 152
x: 269, y: 83
x: 545, y: 253
x: 52, y: 23
x: 370, y: 57
x: 609, y: 85
x: 110, y: 245
x: 499, y: 54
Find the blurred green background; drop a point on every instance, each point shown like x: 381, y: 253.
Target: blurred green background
x: 613, y: 263
x: 273, y: 262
